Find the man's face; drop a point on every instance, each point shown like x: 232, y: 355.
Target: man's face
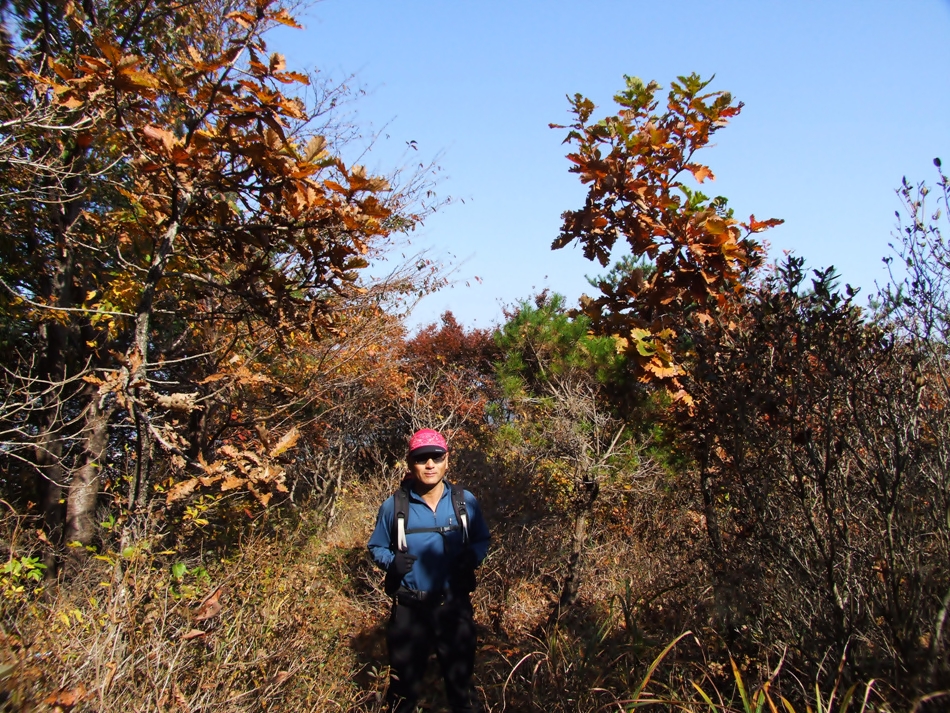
x: 430, y: 471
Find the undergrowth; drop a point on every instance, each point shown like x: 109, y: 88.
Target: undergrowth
x: 290, y: 619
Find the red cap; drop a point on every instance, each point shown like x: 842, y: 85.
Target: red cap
x: 427, y: 441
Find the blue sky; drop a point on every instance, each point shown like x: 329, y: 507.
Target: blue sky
x: 841, y: 98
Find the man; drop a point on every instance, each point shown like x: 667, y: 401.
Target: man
x: 430, y: 563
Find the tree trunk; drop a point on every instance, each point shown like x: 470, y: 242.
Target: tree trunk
x: 84, y: 488
x: 48, y: 449
x: 52, y: 476
x: 138, y: 355
x: 723, y: 586
x: 572, y: 579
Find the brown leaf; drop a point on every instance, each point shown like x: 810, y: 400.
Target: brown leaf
x: 284, y: 18
x: 193, y: 634
x: 232, y: 482
x: 277, y: 62
x: 166, y: 137
x: 211, y: 606
x: 181, y: 490
x: 178, y: 402
x: 244, y: 19
x: 683, y: 396
x: 65, y: 700
x: 179, y: 697
x: 113, y: 667
x: 291, y: 77
x: 757, y: 226
x: 700, y: 173
x: 315, y: 148
x: 213, y: 377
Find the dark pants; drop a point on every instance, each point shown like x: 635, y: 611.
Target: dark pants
x: 413, y: 631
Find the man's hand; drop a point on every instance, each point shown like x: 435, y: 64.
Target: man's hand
x: 467, y: 560
x: 463, y: 571
x: 398, y: 568
x: 402, y: 564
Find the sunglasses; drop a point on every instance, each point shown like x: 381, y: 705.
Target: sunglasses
x: 419, y: 460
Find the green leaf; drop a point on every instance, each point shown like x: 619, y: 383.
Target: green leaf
x: 739, y: 683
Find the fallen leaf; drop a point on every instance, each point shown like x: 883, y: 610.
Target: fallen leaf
x: 65, y: 700
x: 211, y: 606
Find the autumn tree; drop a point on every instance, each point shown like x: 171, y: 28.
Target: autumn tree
x: 452, y: 381
x: 176, y: 216
x: 641, y: 167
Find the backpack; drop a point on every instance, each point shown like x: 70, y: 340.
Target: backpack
x: 401, y: 515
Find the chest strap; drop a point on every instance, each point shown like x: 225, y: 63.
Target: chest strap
x: 402, y: 514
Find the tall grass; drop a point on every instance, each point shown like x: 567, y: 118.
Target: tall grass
x: 290, y: 619
x: 267, y: 627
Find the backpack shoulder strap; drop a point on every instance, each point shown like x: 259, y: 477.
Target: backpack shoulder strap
x: 461, y: 510
x: 400, y: 515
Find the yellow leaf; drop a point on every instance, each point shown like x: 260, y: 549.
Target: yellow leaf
x: 213, y: 377
x: 660, y: 370
x: 286, y: 443
x: 109, y: 50
x: 716, y: 226
x: 284, y: 18
x: 137, y: 78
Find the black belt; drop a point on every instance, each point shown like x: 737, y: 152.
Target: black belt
x: 415, y: 597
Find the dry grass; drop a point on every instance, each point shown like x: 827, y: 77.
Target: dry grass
x: 276, y: 626
x: 291, y: 620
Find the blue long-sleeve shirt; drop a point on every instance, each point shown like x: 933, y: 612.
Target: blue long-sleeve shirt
x: 436, y: 551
